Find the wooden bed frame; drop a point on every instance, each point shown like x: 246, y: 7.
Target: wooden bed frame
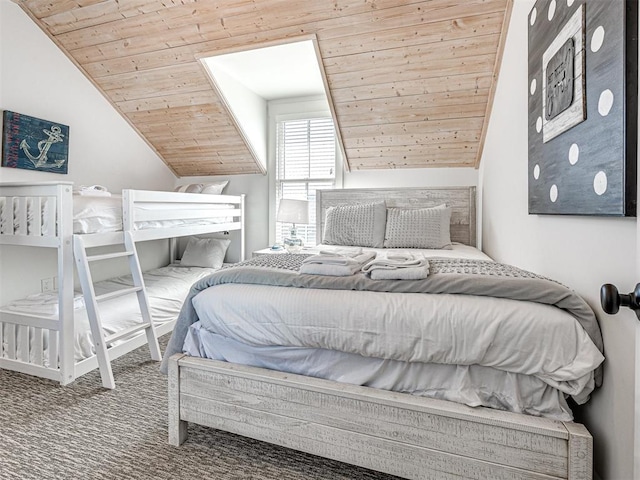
x: 461, y: 200
x: 400, y: 434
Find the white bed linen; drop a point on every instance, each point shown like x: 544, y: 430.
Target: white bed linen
x: 99, y: 214
x: 167, y: 287
x: 45, y: 303
x: 524, y: 339
x: 471, y: 385
x: 510, y: 335
x: 104, y: 214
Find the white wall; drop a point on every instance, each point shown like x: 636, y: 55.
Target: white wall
x: 37, y: 79
x: 249, y: 109
x: 581, y: 252
x: 411, y: 177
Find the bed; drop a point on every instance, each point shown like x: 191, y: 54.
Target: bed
x: 52, y: 335
x: 474, y: 397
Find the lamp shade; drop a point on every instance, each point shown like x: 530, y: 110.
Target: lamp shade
x: 293, y: 211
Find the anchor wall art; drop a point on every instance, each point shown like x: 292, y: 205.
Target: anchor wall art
x: 34, y: 144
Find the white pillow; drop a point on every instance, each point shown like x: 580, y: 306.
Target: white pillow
x: 189, y: 188
x: 418, y: 228
x: 205, y: 252
x: 359, y: 225
x: 214, y: 188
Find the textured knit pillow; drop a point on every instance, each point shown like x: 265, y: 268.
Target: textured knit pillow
x: 418, y: 228
x: 205, y: 252
x: 359, y: 225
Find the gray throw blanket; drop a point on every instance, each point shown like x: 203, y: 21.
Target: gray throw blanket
x: 447, y: 276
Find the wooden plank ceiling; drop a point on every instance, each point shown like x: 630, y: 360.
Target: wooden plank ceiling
x: 412, y: 81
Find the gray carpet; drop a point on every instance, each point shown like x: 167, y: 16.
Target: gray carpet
x: 83, y: 431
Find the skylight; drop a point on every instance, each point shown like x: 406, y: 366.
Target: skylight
x: 247, y: 80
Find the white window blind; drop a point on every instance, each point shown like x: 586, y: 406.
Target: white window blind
x: 306, y: 161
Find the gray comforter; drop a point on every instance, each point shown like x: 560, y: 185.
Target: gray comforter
x: 448, y: 276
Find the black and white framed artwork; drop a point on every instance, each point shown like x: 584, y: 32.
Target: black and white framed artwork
x: 583, y: 107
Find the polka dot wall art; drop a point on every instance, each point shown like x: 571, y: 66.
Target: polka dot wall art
x: 583, y: 107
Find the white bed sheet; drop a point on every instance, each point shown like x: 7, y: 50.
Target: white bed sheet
x: 519, y: 339
x: 97, y: 214
x: 167, y: 287
x: 471, y: 385
x: 510, y: 335
x: 93, y: 214
x: 100, y: 214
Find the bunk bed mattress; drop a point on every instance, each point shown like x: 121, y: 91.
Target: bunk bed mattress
x: 167, y: 288
x: 99, y: 214
x: 104, y: 214
x: 448, y: 335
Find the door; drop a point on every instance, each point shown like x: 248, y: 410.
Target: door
x: 637, y: 427
x: 612, y: 301
x: 636, y: 448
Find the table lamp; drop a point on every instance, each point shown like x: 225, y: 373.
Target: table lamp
x: 293, y: 211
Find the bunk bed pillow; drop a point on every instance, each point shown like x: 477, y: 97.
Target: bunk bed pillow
x: 418, y: 228
x: 214, y: 188
x: 189, y: 188
x: 205, y: 252
x: 361, y: 225
x: 209, y: 188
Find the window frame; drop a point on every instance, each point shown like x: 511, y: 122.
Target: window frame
x: 294, y: 109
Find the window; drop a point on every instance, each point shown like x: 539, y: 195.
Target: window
x: 305, y: 162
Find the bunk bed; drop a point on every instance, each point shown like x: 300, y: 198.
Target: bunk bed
x: 304, y: 390
x: 46, y: 215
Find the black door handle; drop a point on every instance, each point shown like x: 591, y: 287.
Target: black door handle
x: 611, y: 300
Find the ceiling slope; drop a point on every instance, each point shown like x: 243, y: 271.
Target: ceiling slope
x: 411, y: 81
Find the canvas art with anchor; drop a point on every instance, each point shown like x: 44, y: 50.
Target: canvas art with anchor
x: 34, y: 144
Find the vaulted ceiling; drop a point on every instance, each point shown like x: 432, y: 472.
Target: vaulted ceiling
x: 411, y: 81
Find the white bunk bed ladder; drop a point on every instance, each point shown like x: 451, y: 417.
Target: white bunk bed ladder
x: 101, y: 339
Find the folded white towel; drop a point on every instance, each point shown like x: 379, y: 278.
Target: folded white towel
x: 408, y: 273
x: 346, y: 251
x: 395, y: 261
x: 330, y: 270
x: 329, y: 258
x: 335, y: 264
x: 93, y: 191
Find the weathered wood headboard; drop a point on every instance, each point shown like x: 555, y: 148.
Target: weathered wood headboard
x: 462, y: 201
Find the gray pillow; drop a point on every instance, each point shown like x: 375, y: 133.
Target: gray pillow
x: 359, y: 225
x: 205, y: 252
x: 418, y: 228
